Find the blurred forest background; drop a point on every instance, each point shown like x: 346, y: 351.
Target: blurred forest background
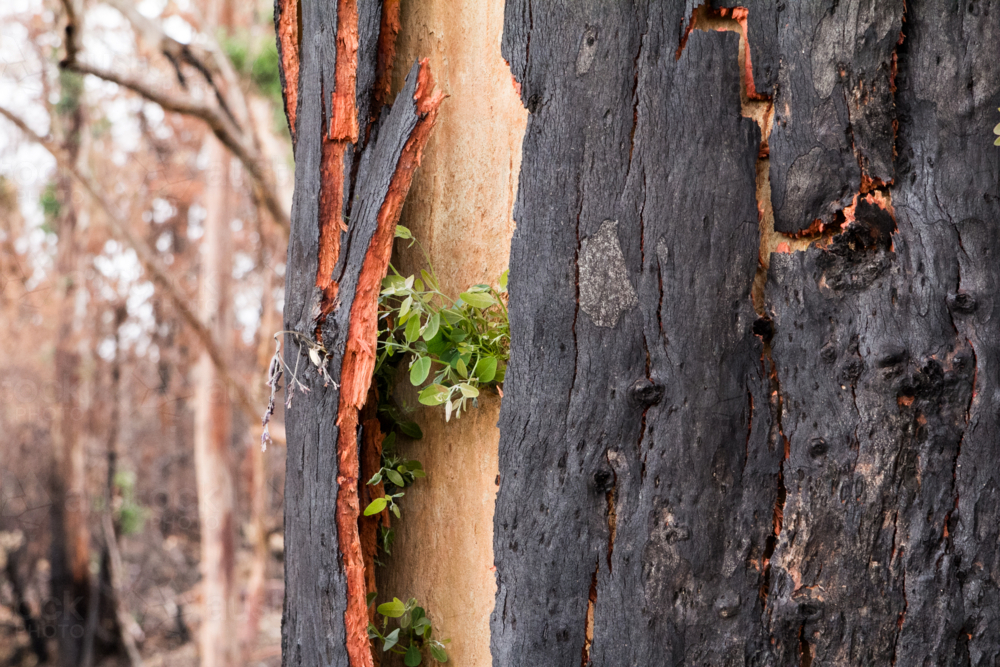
x: 145, y: 183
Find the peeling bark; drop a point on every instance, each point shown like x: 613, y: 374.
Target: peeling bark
x: 810, y: 483
x: 335, y: 267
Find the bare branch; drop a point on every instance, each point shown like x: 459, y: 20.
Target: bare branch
x: 150, y: 263
x: 219, y: 120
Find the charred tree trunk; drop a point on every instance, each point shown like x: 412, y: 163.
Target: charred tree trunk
x: 685, y: 481
x: 353, y: 166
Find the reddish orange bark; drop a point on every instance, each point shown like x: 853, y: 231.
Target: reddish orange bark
x: 344, y: 112
x: 288, y: 36
x: 359, y: 364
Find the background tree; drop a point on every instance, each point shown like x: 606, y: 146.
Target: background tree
x: 125, y: 328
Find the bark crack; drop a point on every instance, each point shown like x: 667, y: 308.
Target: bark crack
x: 588, y: 627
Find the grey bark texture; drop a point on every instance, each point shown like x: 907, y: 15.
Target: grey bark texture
x: 684, y: 481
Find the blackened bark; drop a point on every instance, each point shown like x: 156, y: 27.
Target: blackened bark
x: 884, y: 354
x: 833, y: 124
x: 335, y: 265
x: 682, y: 483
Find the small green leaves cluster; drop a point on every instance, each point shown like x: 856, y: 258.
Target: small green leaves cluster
x: 413, y: 635
x: 128, y: 513
x: 455, y: 347
x: 461, y: 344
x: 397, y: 473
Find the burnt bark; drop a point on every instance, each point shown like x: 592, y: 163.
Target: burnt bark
x: 684, y: 481
x: 354, y: 161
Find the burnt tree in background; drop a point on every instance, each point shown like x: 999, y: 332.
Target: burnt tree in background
x: 353, y: 165
x: 686, y: 481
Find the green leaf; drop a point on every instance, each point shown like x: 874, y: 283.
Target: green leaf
x: 439, y: 653
x: 405, y: 619
x: 375, y: 507
x: 414, y: 465
x: 412, y: 329
x: 368, y: 600
x: 996, y: 130
x: 434, y: 394
x: 395, y: 510
x: 411, y: 430
x: 428, y: 278
x: 403, y: 233
x: 451, y: 317
x: 391, y: 640
x: 503, y: 280
x: 412, y: 657
x: 419, y: 371
x: 391, y: 283
x: 393, y: 609
x: 404, y: 307
x: 376, y: 478
x: 997, y: 142
x: 389, y: 442
x: 395, y: 478
x: 468, y: 390
x: 486, y: 369
x: 477, y: 299
x: 462, y: 369
x: 432, y: 326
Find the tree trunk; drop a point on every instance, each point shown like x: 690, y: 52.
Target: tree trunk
x: 70, y: 587
x: 353, y: 166
x: 683, y: 480
x: 213, y: 416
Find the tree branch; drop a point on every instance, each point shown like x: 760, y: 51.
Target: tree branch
x: 219, y: 120
x: 150, y: 263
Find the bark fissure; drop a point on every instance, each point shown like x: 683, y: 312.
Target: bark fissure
x: 588, y: 630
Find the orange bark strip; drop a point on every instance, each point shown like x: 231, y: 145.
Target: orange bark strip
x: 386, y: 50
x: 359, y: 363
x: 371, y: 462
x: 288, y: 38
x: 331, y: 204
x: 343, y: 106
x: 739, y: 14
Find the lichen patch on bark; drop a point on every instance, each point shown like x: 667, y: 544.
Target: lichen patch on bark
x: 605, y: 290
